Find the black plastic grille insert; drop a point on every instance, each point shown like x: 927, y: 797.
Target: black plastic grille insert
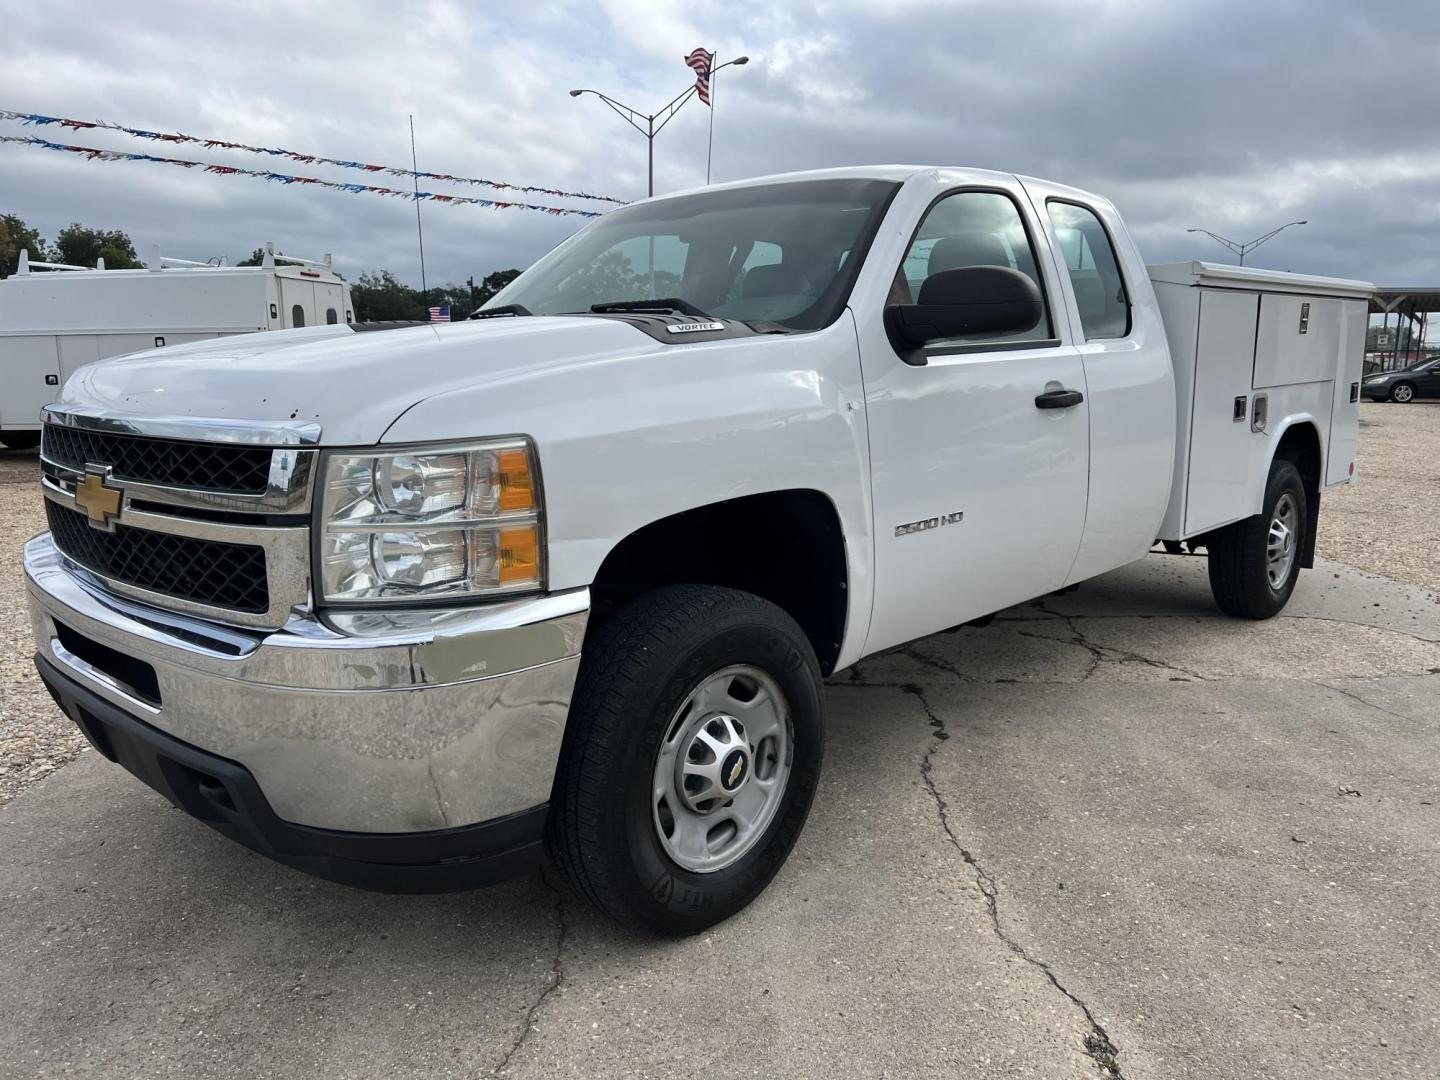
x: 242, y: 470
x: 201, y: 571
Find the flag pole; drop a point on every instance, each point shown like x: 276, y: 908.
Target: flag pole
x: 419, y: 234
x: 710, y: 143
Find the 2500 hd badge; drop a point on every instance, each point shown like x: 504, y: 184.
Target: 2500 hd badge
x: 930, y: 523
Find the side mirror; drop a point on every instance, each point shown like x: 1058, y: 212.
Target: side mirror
x: 970, y: 300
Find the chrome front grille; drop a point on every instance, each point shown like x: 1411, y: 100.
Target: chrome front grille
x: 199, y: 571
x: 216, y: 528
x: 170, y: 462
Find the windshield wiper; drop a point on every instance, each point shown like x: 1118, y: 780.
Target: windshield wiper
x: 661, y: 305
x: 503, y: 309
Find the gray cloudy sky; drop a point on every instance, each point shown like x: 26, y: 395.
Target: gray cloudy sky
x: 1236, y: 116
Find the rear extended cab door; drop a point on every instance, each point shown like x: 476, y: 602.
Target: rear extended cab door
x: 1116, y: 324
x: 978, y: 492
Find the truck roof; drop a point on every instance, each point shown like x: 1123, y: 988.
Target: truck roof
x: 897, y: 173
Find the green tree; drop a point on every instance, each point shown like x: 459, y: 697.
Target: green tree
x: 492, y: 284
x: 16, y: 236
x: 256, y: 258
x: 379, y: 297
x: 81, y: 245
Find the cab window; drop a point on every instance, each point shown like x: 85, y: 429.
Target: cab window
x: 1100, y: 298
x: 971, y: 228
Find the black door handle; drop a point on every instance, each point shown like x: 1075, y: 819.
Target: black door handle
x: 1059, y: 399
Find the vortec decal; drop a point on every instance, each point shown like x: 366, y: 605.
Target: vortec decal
x: 930, y: 523
x: 692, y: 327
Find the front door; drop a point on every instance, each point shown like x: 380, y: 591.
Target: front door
x: 979, y: 493
x: 1427, y: 383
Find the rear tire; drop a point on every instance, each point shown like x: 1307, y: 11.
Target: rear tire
x: 1402, y: 393
x: 1255, y: 563
x: 653, y: 681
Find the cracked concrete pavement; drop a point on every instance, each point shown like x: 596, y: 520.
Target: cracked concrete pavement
x: 1111, y: 832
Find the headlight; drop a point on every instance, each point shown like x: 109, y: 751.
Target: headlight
x: 430, y: 522
x: 1376, y: 378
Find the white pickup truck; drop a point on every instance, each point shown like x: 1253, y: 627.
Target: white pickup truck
x: 410, y: 609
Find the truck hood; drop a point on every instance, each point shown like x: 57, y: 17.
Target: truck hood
x: 353, y: 384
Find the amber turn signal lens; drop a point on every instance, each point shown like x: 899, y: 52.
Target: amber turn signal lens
x: 517, y: 486
x: 519, y: 551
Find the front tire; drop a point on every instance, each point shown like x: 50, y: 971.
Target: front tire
x: 1402, y: 393
x: 1255, y: 563
x: 691, y: 757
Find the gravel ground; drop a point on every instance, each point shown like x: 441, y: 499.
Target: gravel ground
x: 1387, y: 524
x: 35, y: 737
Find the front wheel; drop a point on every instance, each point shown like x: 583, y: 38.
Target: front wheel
x: 691, y: 756
x: 1255, y: 563
x: 1403, y: 393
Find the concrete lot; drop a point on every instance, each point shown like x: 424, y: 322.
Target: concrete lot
x: 1111, y: 827
x: 1112, y: 830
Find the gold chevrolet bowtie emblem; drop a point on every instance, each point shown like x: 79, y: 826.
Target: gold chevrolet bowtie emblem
x: 735, y: 771
x: 100, y: 503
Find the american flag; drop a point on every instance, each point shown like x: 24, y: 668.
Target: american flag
x: 701, y: 60
x: 440, y: 314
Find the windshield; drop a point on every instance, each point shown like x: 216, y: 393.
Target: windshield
x: 782, y: 253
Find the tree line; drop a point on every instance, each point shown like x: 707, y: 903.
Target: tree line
x: 378, y: 295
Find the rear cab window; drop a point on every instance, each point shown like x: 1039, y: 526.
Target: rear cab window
x: 1101, y: 299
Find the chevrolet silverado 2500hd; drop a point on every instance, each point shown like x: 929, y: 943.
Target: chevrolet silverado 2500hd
x: 408, y: 608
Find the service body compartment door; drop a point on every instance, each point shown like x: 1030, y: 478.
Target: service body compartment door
x: 77, y: 350
x: 1345, y: 409
x: 1296, y: 340
x: 297, y: 303
x: 30, y: 367
x: 1217, y: 490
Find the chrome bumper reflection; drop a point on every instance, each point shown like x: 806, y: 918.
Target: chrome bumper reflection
x: 399, y: 722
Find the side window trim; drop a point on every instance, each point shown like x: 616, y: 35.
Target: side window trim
x: 1054, y: 340
x: 1114, y: 257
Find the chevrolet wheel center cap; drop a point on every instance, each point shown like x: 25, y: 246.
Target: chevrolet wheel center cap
x: 732, y: 773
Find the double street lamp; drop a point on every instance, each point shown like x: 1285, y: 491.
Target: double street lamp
x: 1249, y: 245
x: 650, y: 128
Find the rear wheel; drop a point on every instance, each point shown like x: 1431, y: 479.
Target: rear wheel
x: 1403, y: 393
x: 692, y: 753
x: 1255, y: 563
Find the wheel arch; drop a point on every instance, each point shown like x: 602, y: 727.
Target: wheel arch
x: 786, y: 546
x: 1301, y: 444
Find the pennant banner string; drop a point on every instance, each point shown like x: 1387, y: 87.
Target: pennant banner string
x: 40, y: 120
x: 95, y: 154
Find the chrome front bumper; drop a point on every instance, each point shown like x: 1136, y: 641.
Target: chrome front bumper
x: 376, y: 723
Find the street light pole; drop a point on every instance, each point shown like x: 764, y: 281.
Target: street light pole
x: 633, y: 116
x: 1249, y: 245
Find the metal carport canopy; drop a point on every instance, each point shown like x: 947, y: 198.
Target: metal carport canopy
x: 1407, y: 301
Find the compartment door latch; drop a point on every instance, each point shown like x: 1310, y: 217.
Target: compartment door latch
x: 1260, y: 416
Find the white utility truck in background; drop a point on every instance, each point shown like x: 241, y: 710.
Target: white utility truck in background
x: 407, y: 609
x: 53, y: 322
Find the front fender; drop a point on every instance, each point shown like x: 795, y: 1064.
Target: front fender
x: 630, y: 440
